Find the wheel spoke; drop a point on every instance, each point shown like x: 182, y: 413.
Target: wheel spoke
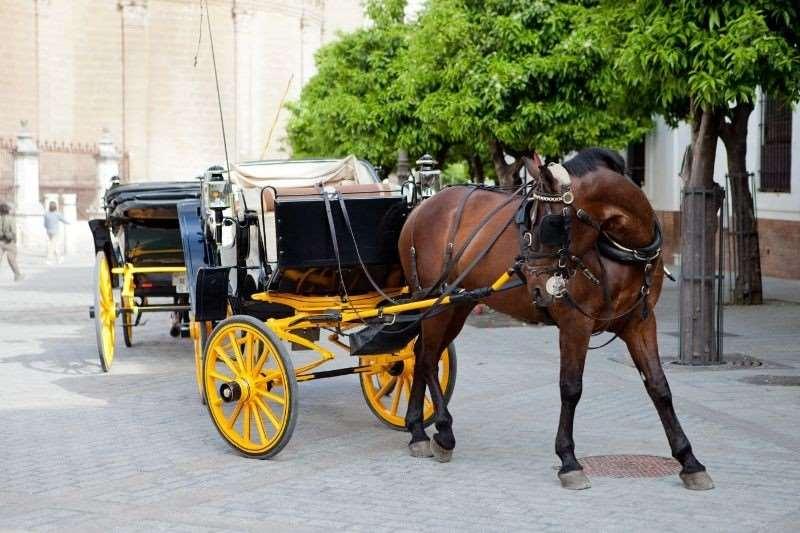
x: 261, y: 360
x: 232, y: 420
x: 407, y: 388
x: 428, y: 403
x: 398, y: 391
x: 260, y: 427
x: 222, y: 356
x: 246, y: 422
x: 271, y: 396
x: 248, y: 351
x: 219, y: 376
x: 237, y: 351
x: 384, y: 390
x: 268, y: 412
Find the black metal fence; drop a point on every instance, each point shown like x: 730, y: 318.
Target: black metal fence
x: 701, y: 324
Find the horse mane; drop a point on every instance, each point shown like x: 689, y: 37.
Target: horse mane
x: 589, y: 159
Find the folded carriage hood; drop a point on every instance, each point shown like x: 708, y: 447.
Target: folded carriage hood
x: 157, y: 199
x: 302, y: 173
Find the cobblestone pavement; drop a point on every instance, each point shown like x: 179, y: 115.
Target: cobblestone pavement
x: 134, y: 449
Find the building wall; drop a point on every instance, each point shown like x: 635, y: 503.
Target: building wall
x: 778, y: 213
x: 74, y: 68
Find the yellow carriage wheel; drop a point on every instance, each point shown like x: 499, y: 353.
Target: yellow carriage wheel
x: 199, y: 331
x: 105, y: 311
x: 250, y: 386
x: 387, y: 387
x: 128, y: 319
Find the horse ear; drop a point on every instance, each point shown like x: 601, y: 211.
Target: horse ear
x: 532, y: 166
x: 548, y: 181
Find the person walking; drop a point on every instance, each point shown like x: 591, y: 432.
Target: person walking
x: 8, y: 240
x: 52, y: 224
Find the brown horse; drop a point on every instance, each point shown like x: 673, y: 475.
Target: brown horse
x: 601, y: 294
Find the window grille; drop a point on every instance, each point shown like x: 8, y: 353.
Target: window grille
x: 635, y: 162
x: 776, y: 146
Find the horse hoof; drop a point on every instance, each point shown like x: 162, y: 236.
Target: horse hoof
x: 697, y: 481
x: 574, y: 480
x: 421, y: 448
x: 439, y: 453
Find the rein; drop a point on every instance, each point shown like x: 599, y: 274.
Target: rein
x: 554, y: 230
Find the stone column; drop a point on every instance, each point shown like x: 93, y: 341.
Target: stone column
x: 28, y: 210
x: 243, y: 27
x: 108, y: 159
x: 69, y: 208
x: 136, y: 86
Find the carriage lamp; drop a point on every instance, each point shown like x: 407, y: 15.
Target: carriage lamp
x: 217, y: 191
x: 428, y: 176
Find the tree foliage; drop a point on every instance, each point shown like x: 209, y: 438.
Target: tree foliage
x: 470, y: 76
x: 353, y: 105
x: 706, y: 54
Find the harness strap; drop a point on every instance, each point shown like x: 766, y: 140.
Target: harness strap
x: 478, y: 228
x: 448, y: 251
x: 358, y: 253
x: 334, y: 240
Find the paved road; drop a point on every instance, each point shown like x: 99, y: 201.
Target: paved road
x: 134, y: 449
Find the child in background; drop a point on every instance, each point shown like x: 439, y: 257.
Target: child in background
x: 52, y: 224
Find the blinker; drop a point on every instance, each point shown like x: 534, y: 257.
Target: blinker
x: 553, y: 230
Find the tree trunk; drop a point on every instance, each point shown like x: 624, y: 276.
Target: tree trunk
x: 747, y: 284
x: 476, y: 169
x: 702, y: 199
x: 505, y: 171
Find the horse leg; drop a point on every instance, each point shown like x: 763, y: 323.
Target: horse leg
x: 437, y: 333
x: 573, y: 343
x: 420, y: 445
x: 643, y: 346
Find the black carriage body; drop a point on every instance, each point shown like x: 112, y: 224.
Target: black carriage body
x: 307, y: 261
x: 143, y: 218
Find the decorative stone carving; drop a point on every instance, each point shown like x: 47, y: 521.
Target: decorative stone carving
x: 134, y: 12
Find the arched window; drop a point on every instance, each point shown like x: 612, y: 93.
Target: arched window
x: 776, y: 146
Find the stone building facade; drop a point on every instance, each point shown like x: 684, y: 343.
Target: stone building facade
x: 76, y: 71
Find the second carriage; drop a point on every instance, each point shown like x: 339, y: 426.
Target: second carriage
x: 138, y: 251
x: 298, y: 256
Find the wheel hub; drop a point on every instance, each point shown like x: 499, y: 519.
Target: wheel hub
x: 233, y: 391
x: 396, y: 368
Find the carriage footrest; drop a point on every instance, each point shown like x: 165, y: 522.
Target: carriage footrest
x: 378, y: 339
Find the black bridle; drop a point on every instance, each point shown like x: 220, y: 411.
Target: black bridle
x: 550, y: 238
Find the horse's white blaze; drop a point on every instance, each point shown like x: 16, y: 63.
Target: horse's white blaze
x: 559, y: 173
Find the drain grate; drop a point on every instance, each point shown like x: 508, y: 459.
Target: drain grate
x: 766, y: 379
x: 633, y: 466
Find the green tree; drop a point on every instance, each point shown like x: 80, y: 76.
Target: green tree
x: 352, y: 105
x: 471, y: 80
x: 497, y: 77
x: 703, y: 61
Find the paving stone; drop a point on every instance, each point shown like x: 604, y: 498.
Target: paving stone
x: 133, y: 450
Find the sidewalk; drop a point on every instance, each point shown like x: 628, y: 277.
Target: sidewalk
x: 133, y: 450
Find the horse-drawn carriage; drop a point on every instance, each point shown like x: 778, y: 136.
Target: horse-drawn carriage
x: 297, y: 255
x: 138, y: 251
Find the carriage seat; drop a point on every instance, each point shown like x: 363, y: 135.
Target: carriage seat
x: 346, y: 188
x: 299, y: 243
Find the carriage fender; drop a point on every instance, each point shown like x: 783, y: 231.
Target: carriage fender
x: 101, y: 235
